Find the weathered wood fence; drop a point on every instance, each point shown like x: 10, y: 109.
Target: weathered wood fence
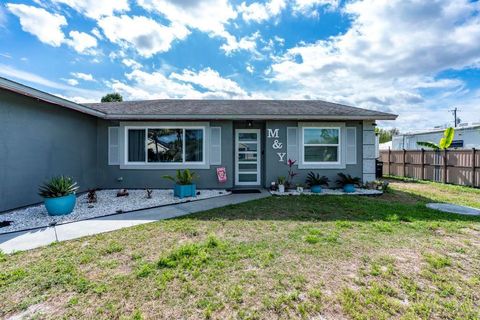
x: 459, y: 167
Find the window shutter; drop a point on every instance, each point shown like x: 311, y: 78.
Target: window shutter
x: 215, y: 145
x: 113, y: 150
x: 351, y: 145
x: 292, y: 143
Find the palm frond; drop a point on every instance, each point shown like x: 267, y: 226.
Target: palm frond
x: 429, y: 144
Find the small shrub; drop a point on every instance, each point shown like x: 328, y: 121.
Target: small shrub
x: 145, y: 270
x: 437, y: 261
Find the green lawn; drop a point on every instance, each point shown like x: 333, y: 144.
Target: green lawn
x: 280, y: 257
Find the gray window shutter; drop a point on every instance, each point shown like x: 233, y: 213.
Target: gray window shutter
x: 351, y: 145
x: 215, y: 145
x: 292, y: 143
x: 113, y: 149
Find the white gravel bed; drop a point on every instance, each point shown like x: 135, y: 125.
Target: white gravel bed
x: 336, y: 192
x: 107, y: 203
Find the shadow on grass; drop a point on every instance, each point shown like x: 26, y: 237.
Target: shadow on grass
x: 392, y: 206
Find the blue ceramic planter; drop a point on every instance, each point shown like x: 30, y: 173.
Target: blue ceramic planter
x: 316, y: 189
x: 61, y: 205
x: 349, y: 188
x: 183, y: 191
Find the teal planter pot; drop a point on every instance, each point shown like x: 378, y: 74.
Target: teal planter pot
x: 316, y: 189
x: 349, y: 188
x: 60, y: 206
x: 183, y: 191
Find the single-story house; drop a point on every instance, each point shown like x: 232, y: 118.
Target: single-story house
x: 133, y: 144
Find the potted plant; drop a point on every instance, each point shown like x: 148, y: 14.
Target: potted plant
x: 281, y: 184
x: 184, y: 186
x: 59, y: 195
x: 315, y: 182
x: 299, y: 188
x: 348, y: 182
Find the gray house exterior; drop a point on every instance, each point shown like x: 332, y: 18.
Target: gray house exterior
x: 133, y: 144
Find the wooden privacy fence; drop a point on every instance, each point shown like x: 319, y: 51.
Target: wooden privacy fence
x: 461, y: 166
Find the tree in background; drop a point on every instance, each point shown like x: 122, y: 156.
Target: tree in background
x: 444, y: 143
x: 112, y: 97
x: 385, y: 135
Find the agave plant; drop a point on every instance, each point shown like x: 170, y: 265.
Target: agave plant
x: 314, y: 179
x: 58, y: 187
x: 444, y: 143
x: 183, y: 177
x: 344, y: 179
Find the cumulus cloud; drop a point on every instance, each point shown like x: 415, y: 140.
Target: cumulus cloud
x: 209, y: 16
x: 259, y: 12
x: 82, y: 42
x: 211, y: 80
x: 131, y: 63
x: 247, y: 43
x: 46, y: 26
x: 204, y: 84
x: 393, y: 51
x: 145, y: 35
x: 96, y: 8
x: 310, y: 7
x: 206, y: 15
x: 83, y: 76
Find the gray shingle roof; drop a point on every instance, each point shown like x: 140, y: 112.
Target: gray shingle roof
x: 235, y: 109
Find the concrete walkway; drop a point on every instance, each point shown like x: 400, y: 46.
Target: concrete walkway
x: 26, y: 240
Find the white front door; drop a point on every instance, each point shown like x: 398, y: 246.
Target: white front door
x: 247, y: 157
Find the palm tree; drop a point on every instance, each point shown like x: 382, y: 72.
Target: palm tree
x: 444, y: 143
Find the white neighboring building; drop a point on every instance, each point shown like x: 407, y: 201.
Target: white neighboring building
x: 467, y: 136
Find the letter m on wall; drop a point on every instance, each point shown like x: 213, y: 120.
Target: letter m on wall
x: 272, y: 133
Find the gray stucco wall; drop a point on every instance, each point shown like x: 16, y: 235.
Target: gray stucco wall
x: 275, y: 168
x: 39, y: 140
x: 108, y: 175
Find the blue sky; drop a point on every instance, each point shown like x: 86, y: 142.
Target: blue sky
x: 415, y: 58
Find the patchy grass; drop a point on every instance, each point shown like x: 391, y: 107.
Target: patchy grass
x: 276, y: 258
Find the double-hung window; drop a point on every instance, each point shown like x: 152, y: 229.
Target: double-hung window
x: 165, y: 145
x: 321, y: 145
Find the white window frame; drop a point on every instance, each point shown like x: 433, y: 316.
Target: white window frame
x: 338, y: 145
x: 166, y: 165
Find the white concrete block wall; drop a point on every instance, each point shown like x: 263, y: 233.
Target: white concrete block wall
x: 368, y: 151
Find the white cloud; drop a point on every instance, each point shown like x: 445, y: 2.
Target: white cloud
x: 145, y: 35
x: 392, y: 52
x: 72, y: 82
x: 96, y: 8
x: 131, y: 63
x: 83, y: 76
x: 31, y: 78
x: 206, y: 15
x: 310, y: 7
x: 250, y: 69
x: 204, y: 84
x: 259, y: 12
x: 209, y: 16
x: 82, y: 42
x: 44, y: 25
x: 248, y: 43
x: 211, y: 80
x: 97, y: 33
